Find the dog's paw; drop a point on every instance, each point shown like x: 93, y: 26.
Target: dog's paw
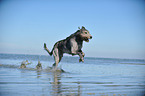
x: 81, y: 60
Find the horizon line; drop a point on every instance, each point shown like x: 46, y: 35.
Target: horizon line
x: 67, y: 55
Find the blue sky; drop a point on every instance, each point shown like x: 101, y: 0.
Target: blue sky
x: 117, y: 26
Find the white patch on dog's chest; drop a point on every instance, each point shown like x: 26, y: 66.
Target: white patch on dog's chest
x: 74, y: 45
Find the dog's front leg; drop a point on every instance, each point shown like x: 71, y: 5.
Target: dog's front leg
x: 81, y: 56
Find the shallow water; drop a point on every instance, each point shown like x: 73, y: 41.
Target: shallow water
x: 94, y: 77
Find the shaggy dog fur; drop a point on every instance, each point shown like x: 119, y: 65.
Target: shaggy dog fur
x: 71, y: 45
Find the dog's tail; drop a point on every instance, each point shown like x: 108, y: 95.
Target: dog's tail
x: 45, y: 48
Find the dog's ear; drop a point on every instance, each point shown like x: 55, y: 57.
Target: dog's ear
x: 83, y: 28
x: 79, y: 28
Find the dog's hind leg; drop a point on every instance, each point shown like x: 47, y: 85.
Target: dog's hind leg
x: 57, y: 56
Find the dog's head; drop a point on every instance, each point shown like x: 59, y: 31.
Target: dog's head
x: 85, y: 35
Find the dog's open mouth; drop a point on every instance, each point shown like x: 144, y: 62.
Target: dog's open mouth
x: 86, y: 39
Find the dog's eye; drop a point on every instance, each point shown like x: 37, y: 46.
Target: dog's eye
x: 85, y: 32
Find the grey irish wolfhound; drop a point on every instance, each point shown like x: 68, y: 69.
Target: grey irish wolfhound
x: 71, y: 45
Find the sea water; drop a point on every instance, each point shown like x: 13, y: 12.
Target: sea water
x: 94, y: 77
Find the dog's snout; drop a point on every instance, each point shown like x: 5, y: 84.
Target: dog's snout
x: 90, y: 37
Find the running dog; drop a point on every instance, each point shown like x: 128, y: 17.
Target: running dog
x: 71, y: 45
